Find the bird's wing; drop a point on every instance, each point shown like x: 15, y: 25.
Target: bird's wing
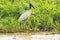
x: 24, y: 15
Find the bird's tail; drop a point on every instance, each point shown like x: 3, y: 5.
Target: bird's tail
x: 19, y: 20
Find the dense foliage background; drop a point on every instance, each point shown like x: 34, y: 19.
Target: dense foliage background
x: 45, y: 16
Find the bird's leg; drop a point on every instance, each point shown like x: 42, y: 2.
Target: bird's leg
x: 21, y: 23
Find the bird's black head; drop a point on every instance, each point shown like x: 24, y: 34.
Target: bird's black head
x: 31, y: 6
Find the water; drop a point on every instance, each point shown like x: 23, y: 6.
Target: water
x: 29, y: 37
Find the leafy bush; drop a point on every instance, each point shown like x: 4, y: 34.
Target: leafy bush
x: 45, y: 16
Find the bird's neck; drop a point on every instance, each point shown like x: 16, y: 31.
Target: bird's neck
x: 30, y: 10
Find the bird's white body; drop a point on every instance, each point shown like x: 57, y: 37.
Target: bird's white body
x: 25, y: 15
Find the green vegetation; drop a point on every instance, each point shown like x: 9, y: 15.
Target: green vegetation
x: 45, y: 16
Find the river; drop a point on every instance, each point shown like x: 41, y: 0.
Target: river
x: 22, y: 36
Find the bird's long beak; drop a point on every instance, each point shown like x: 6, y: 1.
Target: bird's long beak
x: 32, y: 6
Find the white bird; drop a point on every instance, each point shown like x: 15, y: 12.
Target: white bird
x: 26, y: 14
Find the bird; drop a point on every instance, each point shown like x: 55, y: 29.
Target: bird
x: 26, y: 14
